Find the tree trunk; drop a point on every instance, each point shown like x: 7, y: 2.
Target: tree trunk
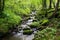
x: 44, y: 4
x: 1, y: 7
x: 50, y: 5
x: 54, y: 4
x: 56, y: 7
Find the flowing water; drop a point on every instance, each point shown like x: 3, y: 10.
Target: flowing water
x: 20, y: 35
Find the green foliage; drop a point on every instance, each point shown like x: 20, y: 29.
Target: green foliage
x: 18, y: 7
x: 46, y: 34
x: 17, y: 10
x: 35, y: 4
x: 41, y: 14
x: 11, y: 17
x: 8, y: 22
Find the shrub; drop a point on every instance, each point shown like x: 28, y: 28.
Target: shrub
x: 41, y: 14
x: 46, y: 34
x: 9, y: 21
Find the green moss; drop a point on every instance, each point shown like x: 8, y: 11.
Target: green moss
x: 44, y: 22
x: 35, y: 25
x: 27, y: 31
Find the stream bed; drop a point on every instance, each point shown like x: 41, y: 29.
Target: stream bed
x: 20, y: 35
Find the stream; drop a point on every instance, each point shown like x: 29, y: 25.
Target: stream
x: 20, y: 35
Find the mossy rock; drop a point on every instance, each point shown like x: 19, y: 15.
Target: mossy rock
x: 44, y: 22
x: 34, y: 25
x: 35, y: 20
x: 26, y: 29
x: 27, y: 32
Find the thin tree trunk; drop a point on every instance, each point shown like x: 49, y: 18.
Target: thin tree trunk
x: 1, y: 7
x: 44, y: 4
x: 56, y: 8
x: 50, y: 5
x: 54, y: 4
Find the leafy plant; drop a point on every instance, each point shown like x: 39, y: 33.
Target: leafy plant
x: 46, y: 34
